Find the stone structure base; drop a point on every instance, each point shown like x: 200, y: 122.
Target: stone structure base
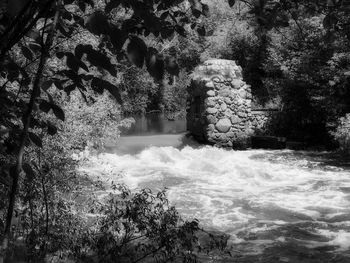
x: 219, y: 106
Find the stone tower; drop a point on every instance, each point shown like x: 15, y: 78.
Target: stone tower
x: 219, y: 109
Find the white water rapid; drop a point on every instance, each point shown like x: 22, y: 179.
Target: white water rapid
x: 262, y: 199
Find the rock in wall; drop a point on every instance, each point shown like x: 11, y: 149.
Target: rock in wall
x: 219, y: 109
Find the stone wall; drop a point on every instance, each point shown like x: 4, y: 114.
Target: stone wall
x: 219, y: 109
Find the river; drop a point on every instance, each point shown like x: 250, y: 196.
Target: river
x: 276, y: 206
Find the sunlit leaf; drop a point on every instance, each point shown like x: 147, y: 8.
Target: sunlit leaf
x: 34, y: 35
x: 99, y: 85
x: 86, y: 77
x: 58, y: 112
x: 201, y: 30
x: 35, y: 47
x: 51, y: 129
x: 27, y: 53
x: 58, y: 84
x: 205, y: 10
x: 96, y: 58
x: 74, y: 63
x: 155, y: 64
x: 28, y: 171
x: 35, y: 139
x: 180, y: 30
x: 68, y: 89
x: 45, y: 106
x: 64, y: 30
x: 196, y: 12
x: 72, y: 75
x: 97, y: 23
x: 111, y: 5
x: 171, y: 66
x: 231, y: 2
x: 137, y: 51
x: 117, y: 37
x: 46, y: 85
x: 60, y: 55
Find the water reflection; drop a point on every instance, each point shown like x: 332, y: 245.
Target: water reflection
x: 155, y: 123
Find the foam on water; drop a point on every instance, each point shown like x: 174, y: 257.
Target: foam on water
x: 242, y: 193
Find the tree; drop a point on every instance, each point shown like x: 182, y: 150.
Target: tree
x: 30, y: 33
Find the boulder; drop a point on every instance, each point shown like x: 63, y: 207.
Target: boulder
x: 211, y: 119
x: 223, y: 107
x: 228, y: 101
x: 211, y: 102
x: 223, y: 125
x: 211, y: 127
x: 224, y: 138
x: 237, y: 83
x: 212, y: 110
x: 231, y: 135
x: 224, y: 92
x: 242, y: 93
x: 210, y: 85
x: 242, y: 114
x: 211, y: 93
x: 235, y: 119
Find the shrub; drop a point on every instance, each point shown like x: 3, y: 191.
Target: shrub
x: 140, y: 93
x: 93, y: 122
x: 342, y: 134
x: 48, y: 213
x: 134, y: 227
x: 175, y: 95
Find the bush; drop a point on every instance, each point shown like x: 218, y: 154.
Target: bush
x: 134, y: 227
x: 48, y: 213
x: 342, y: 134
x: 140, y: 93
x: 175, y: 95
x: 94, y: 122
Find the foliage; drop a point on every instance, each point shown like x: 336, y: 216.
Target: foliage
x: 175, y: 94
x: 342, y: 134
x: 141, y: 225
x: 49, y: 215
x: 295, y: 57
x: 139, y: 91
x: 128, y: 226
x: 307, y: 67
x: 32, y: 94
x: 92, y: 123
x: 45, y: 217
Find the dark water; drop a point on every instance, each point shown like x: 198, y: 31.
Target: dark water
x: 155, y: 123
x: 152, y: 130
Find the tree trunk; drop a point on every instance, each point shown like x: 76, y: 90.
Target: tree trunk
x: 26, y: 124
